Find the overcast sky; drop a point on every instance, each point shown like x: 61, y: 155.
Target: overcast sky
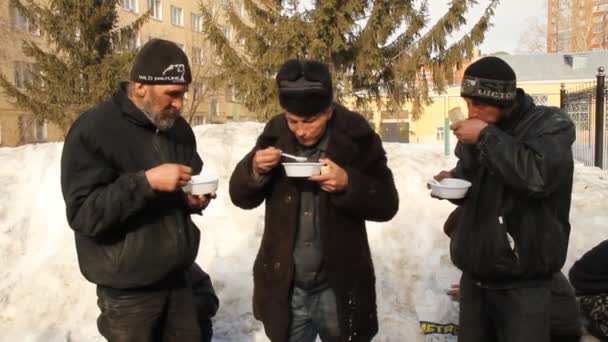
x: 510, y: 21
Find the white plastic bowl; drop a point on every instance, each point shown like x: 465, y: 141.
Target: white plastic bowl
x: 201, y: 185
x: 303, y: 169
x: 450, y: 188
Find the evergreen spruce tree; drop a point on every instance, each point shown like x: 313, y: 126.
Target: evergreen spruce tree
x: 375, y: 48
x: 84, y: 56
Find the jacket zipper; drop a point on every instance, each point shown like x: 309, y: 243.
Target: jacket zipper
x: 163, y: 158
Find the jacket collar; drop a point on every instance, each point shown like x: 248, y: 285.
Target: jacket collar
x: 523, y: 104
x: 128, y: 108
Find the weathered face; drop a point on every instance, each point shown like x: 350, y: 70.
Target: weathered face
x: 484, y: 112
x: 163, y: 103
x: 308, y: 130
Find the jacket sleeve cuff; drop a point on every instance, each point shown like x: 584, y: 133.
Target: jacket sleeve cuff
x: 353, y: 192
x: 258, y: 181
x: 142, y: 186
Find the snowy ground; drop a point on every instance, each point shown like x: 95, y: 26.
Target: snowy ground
x: 43, y: 297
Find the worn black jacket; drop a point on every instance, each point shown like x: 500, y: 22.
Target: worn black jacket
x: 589, y: 275
x: 370, y: 195
x: 521, y: 172
x: 127, y: 235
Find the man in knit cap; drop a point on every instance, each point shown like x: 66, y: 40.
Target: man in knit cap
x: 313, y: 274
x: 510, y: 235
x: 123, y: 166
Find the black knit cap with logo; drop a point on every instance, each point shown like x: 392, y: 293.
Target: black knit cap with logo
x: 491, y: 81
x: 161, y: 61
x: 305, y: 87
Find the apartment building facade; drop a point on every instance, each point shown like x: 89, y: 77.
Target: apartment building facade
x: 176, y: 20
x: 577, y: 25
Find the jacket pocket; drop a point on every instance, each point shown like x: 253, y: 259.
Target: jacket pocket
x: 552, y: 242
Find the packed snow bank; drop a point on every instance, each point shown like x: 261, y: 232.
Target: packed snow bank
x: 43, y: 296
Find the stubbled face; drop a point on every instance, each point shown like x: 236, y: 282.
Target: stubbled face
x: 308, y: 130
x: 163, y: 104
x: 486, y: 113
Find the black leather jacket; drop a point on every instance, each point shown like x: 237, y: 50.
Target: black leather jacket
x: 514, y: 224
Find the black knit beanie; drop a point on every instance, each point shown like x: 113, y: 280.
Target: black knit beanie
x: 161, y: 62
x: 491, y: 81
x: 305, y: 87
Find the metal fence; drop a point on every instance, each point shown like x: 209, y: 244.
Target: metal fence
x: 587, y: 106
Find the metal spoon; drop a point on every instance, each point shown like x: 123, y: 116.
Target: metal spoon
x: 296, y: 158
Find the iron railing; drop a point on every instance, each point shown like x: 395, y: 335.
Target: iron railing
x: 587, y: 106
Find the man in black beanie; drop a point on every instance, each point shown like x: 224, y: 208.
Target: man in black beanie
x: 313, y: 274
x: 512, y: 234
x: 123, y: 167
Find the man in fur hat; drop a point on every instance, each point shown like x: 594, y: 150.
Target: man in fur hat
x: 314, y: 274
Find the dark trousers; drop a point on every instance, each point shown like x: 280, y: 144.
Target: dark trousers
x: 313, y: 314
x: 162, y: 315
x: 565, y: 338
x: 509, y: 315
x: 207, y: 330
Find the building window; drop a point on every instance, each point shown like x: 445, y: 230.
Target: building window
x: 156, y: 9
x: 22, y: 23
x: 228, y: 33
x: 129, y: 5
x: 238, y: 6
x: 197, y: 120
x: 23, y: 74
x: 196, y: 22
x: 134, y: 43
x: 40, y: 130
x: 197, y: 55
x: 439, y: 133
x: 230, y: 94
x: 177, y: 16
x: 600, y: 8
x: 214, y: 107
x: 32, y: 129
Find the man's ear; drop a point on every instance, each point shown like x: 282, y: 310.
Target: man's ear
x: 140, y: 89
x: 330, y: 111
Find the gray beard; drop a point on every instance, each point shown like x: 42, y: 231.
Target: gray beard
x: 162, y: 124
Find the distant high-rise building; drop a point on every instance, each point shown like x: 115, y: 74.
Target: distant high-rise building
x: 577, y: 25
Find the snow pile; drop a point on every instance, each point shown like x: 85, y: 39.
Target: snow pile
x: 43, y: 296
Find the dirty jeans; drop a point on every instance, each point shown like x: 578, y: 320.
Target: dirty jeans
x: 166, y: 315
x: 313, y: 314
